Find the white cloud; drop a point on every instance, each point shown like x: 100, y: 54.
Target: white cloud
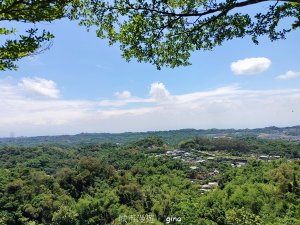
x: 207, y: 95
x: 288, y: 75
x: 250, y: 66
x: 224, y: 107
x: 123, y: 102
x: 40, y: 87
x: 123, y: 94
x: 159, y: 92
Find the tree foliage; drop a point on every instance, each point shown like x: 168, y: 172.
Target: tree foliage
x: 165, y: 32
x: 16, y: 46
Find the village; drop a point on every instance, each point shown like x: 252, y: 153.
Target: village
x: 206, y: 166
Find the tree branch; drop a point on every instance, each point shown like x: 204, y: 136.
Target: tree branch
x: 222, y: 7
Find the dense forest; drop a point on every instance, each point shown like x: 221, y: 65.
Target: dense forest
x: 142, y: 182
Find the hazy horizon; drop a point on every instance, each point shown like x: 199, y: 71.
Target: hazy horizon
x: 12, y: 135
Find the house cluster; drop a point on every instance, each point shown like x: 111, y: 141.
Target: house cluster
x: 188, y: 157
x: 279, y: 136
x: 181, y: 155
x: 238, y: 164
x: 269, y: 157
x: 208, y: 187
x: 197, y: 157
x: 176, y: 152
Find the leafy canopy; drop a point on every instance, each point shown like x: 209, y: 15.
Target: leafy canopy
x: 165, y: 32
x: 15, y: 46
x: 162, y: 32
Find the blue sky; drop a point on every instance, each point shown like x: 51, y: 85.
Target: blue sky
x: 83, y: 85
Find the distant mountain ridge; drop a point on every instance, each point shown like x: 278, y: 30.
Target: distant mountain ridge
x: 171, y: 136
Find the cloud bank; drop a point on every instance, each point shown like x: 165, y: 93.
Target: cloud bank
x: 288, y: 75
x: 250, y: 66
x: 40, y: 87
x: 123, y: 94
x: 224, y: 107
